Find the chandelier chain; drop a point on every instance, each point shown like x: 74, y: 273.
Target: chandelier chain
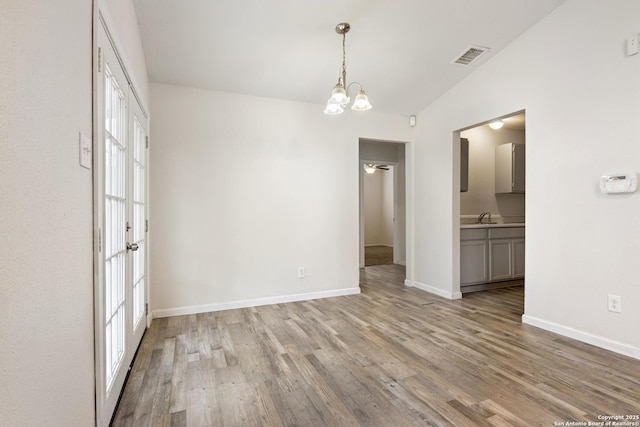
x: 344, y: 59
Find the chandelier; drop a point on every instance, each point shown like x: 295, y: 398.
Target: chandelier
x: 339, y: 96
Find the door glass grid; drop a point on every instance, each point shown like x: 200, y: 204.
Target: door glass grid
x: 139, y: 198
x: 115, y: 219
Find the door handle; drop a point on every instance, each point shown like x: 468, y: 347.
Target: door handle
x: 132, y: 247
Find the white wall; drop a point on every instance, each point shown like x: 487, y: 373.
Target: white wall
x: 373, y: 203
x: 582, y: 121
x: 124, y: 23
x: 481, y: 196
x: 46, y: 261
x: 245, y: 190
x: 46, y: 266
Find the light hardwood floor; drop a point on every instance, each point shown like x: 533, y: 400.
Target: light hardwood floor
x: 392, y: 356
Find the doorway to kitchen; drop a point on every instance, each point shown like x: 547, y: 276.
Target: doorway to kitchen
x: 492, y: 204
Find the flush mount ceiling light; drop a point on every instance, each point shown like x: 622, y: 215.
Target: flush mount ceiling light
x: 495, y: 125
x: 340, y: 94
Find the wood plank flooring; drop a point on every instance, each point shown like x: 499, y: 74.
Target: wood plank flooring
x: 392, y: 356
x: 378, y: 255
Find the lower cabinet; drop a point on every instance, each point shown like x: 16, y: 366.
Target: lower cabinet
x: 474, y: 256
x: 518, y: 258
x: 500, y: 260
x: 491, y: 254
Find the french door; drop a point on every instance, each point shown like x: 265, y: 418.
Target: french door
x: 121, y: 190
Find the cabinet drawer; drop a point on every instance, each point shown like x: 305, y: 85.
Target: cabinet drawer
x: 473, y: 234
x: 506, y: 233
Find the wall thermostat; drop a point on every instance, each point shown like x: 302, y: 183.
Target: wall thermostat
x: 625, y: 182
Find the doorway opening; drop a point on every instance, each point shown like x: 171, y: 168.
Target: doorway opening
x: 492, y: 204
x: 379, y: 213
x: 383, y: 203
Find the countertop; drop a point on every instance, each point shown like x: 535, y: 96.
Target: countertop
x: 511, y: 225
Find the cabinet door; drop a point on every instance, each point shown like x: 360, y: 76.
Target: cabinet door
x: 464, y: 165
x: 518, y: 258
x: 503, y: 169
x: 518, y: 168
x: 473, y: 262
x: 510, y: 168
x: 500, y: 259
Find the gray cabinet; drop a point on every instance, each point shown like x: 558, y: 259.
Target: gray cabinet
x: 518, y: 258
x: 491, y: 254
x: 506, y: 253
x: 501, y: 260
x: 510, y: 168
x: 474, y: 256
x: 464, y: 165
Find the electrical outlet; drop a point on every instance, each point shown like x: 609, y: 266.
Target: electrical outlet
x: 302, y: 272
x: 615, y: 303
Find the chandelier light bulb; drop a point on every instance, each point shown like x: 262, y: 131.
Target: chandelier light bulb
x: 361, y: 103
x: 333, y: 109
x: 339, y: 95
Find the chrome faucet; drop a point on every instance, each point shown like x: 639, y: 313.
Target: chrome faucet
x: 482, y: 215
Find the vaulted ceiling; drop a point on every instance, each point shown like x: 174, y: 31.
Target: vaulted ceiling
x: 400, y: 50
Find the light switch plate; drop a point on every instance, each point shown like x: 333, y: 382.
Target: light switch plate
x: 85, y: 151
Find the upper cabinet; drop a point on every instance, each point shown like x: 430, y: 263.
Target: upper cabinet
x: 510, y: 168
x: 464, y: 165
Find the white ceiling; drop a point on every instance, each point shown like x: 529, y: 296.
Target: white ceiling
x: 399, y: 50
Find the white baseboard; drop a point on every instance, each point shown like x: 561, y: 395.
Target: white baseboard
x: 605, y: 343
x: 433, y: 290
x: 195, y: 309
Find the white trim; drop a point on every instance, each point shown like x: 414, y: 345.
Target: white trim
x: 361, y: 175
x: 598, y: 341
x: 195, y: 309
x: 104, y: 15
x: 433, y: 290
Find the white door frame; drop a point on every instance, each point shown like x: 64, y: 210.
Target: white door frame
x: 103, y: 36
x: 395, y: 204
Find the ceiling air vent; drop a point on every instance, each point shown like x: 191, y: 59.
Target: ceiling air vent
x: 469, y: 55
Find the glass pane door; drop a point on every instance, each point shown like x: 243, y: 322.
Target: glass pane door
x: 115, y: 203
x: 137, y: 232
x: 121, y: 190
